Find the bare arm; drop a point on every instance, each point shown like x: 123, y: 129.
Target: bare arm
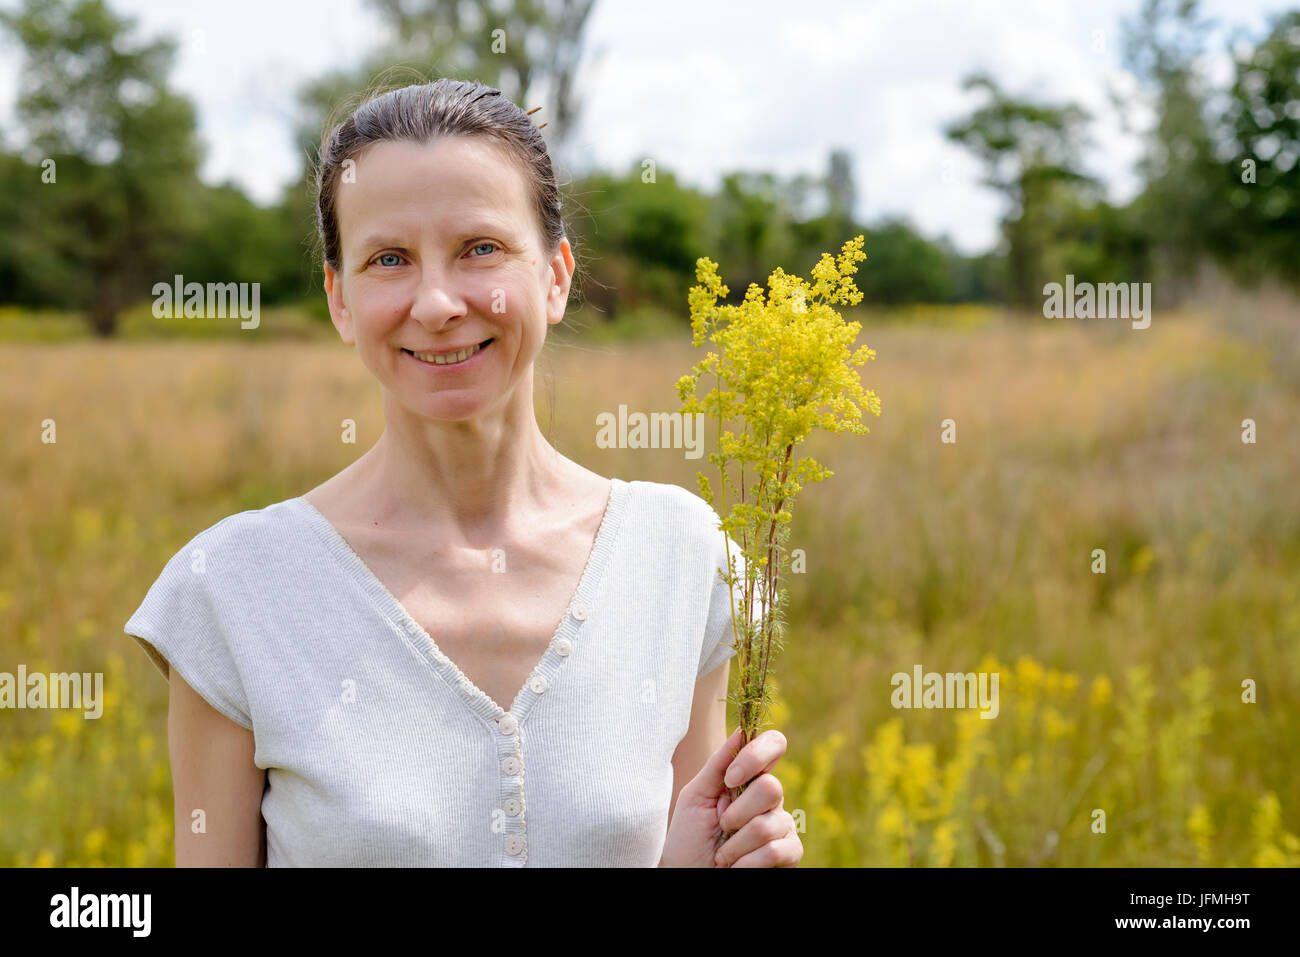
x: 707, y: 731
x: 213, y: 771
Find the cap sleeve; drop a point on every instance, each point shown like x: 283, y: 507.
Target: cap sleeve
x: 719, y: 638
x: 177, y: 626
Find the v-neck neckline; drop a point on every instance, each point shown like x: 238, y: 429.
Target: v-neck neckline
x: 580, y: 608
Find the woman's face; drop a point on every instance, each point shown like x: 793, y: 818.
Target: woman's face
x: 440, y: 250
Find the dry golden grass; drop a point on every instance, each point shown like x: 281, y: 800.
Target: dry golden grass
x: 1119, y: 692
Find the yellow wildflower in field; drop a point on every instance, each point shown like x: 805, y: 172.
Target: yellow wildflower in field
x: 944, y: 844
x: 1201, y: 829
x: 917, y: 779
x: 95, y: 840
x: 1133, y: 734
x: 1100, y: 692
x: 1056, y: 725
x: 892, y: 820
x: 1268, y: 834
x: 1052, y: 683
x: 831, y: 820
x: 882, y: 759
x: 819, y: 776
x: 1029, y: 677
x: 69, y: 723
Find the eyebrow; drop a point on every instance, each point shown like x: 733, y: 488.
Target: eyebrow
x: 480, y: 229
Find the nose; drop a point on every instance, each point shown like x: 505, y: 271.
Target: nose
x: 437, y: 300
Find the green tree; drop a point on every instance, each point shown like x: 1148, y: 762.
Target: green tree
x: 638, y: 243
x: 1178, y: 202
x: 1261, y: 180
x: 239, y: 238
x: 1031, y: 153
x: 753, y: 226
x: 903, y: 266
x: 95, y: 101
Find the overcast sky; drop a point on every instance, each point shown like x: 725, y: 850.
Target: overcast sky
x: 702, y: 89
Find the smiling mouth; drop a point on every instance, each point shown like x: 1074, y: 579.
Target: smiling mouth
x: 453, y: 358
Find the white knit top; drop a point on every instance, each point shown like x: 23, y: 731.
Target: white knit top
x: 380, y: 752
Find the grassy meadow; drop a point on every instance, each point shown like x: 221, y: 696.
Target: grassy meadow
x: 1119, y: 692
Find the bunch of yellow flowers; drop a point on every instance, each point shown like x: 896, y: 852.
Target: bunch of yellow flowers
x: 783, y: 367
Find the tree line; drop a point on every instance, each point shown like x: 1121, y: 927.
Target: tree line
x: 101, y: 197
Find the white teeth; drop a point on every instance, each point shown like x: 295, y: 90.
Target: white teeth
x: 443, y: 360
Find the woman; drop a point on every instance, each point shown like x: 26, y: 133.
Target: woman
x: 372, y: 673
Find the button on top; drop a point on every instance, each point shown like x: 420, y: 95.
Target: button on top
x: 510, y: 766
x: 563, y: 646
x: 508, y: 724
x: 538, y: 683
x: 514, y: 845
x: 579, y: 611
x: 511, y: 806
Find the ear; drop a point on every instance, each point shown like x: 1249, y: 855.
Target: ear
x: 562, y: 277
x: 339, y: 314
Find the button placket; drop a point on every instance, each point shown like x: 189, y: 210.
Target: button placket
x: 512, y: 807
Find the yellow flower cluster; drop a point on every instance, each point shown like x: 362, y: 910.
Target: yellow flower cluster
x: 783, y: 367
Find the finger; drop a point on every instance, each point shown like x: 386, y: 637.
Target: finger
x: 784, y: 852
x: 761, y: 795
x: 773, y: 825
x: 724, y: 802
x: 755, y: 758
x: 710, y: 776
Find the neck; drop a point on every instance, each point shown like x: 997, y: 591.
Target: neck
x: 477, y: 476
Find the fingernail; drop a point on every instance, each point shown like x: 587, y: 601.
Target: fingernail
x: 732, y: 777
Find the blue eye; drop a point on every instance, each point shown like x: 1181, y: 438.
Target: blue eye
x: 481, y: 245
x: 382, y: 256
